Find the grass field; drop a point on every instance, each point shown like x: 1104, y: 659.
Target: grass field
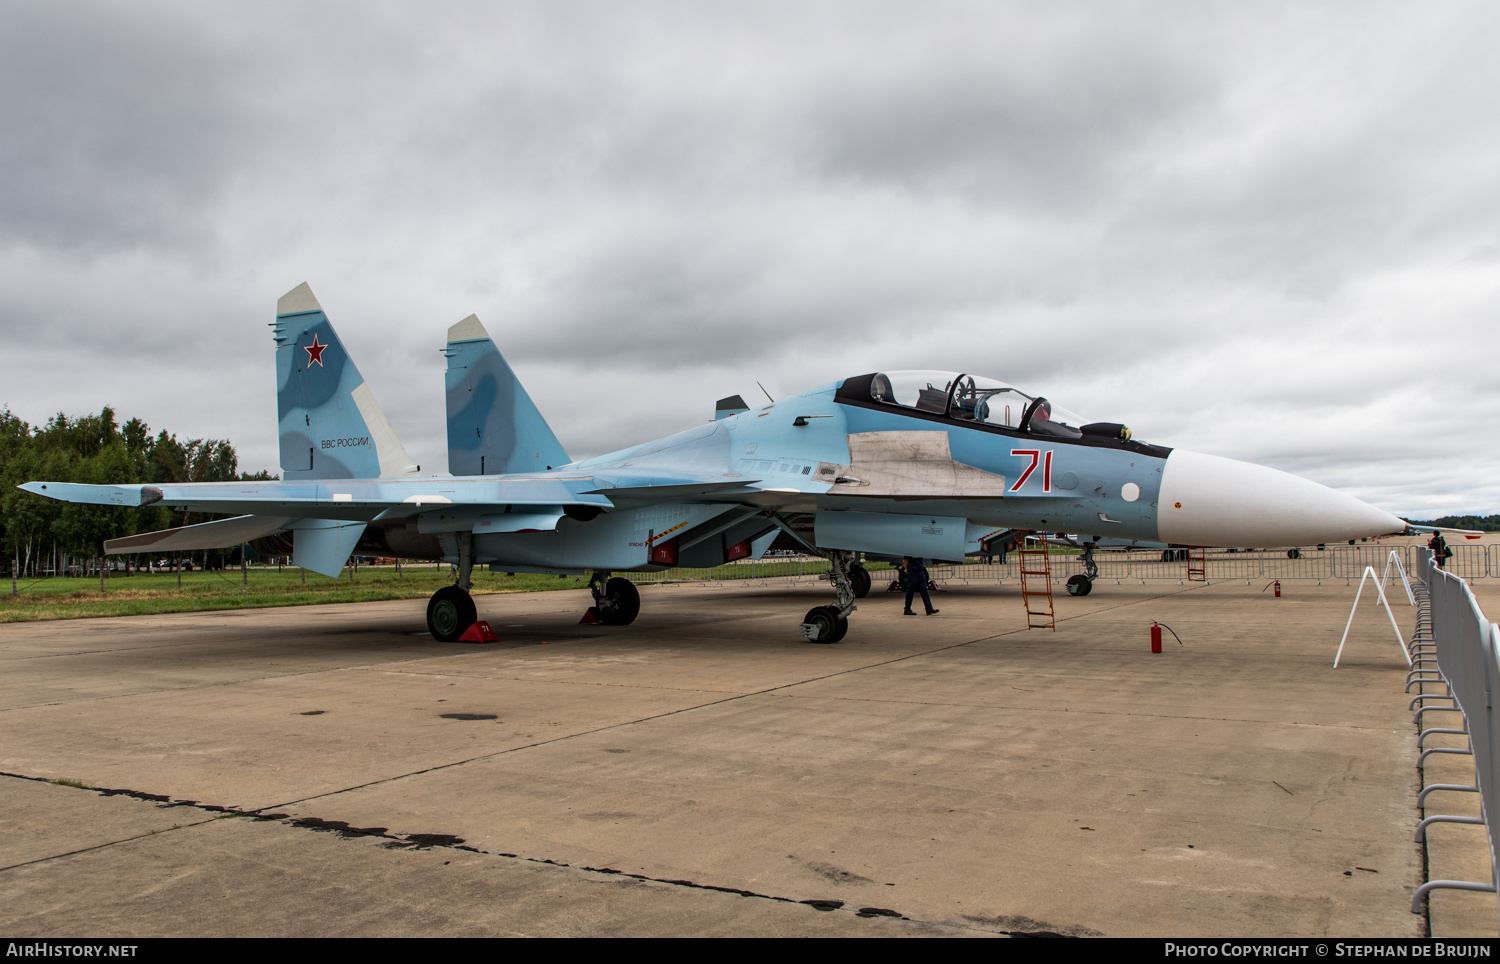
x: 68, y: 597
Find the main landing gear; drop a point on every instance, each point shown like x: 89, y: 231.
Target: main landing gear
x: 1083, y: 584
x: 829, y: 624
x: 859, y: 578
x: 616, y: 601
x: 451, y: 610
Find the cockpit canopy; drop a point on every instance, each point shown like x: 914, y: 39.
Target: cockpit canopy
x: 975, y: 398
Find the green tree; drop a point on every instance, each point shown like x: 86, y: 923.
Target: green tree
x: 95, y: 449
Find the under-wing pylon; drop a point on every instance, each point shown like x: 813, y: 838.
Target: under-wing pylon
x: 926, y: 464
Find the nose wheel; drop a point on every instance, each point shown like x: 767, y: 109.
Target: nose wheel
x: 823, y: 624
x: 1080, y: 585
x: 829, y: 624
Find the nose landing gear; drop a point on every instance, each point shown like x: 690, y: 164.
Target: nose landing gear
x: 1083, y: 584
x: 829, y: 624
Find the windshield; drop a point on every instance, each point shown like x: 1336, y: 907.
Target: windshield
x: 974, y: 398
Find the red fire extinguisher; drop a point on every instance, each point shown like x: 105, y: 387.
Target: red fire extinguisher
x: 1156, y: 629
x: 1278, y: 589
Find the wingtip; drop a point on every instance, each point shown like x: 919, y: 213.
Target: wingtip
x: 298, y: 301
x: 468, y: 330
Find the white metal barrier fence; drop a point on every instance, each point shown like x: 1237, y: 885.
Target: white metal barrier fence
x: 1457, y: 645
x: 1334, y: 562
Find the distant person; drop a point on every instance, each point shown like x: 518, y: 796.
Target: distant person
x: 998, y: 547
x: 1440, y: 551
x: 916, y: 581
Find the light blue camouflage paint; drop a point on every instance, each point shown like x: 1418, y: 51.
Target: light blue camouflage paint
x: 494, y: 427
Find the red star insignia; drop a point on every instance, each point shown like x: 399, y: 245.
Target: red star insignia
x: 314, y: 352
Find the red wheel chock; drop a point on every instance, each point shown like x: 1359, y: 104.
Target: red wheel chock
x: 480, y: 632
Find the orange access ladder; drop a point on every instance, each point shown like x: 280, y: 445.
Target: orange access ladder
x: 1198, y: 565
x: 1036, y: 568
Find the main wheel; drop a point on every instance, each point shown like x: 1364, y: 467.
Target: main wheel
x: 860, y: 577
x: 826, y: 620
x: 450, y: 611
x: 1167, y: 555
x: 1294, y: 553
x: 1080, y: 585
x: 621, y: 603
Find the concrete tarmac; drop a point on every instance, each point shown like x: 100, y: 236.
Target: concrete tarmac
x: 330, y: 770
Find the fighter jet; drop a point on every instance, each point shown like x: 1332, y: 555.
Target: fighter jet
x: 894, y: 463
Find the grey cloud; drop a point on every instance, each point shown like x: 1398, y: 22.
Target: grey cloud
x: 122, y: 124
x: 1212, y: 224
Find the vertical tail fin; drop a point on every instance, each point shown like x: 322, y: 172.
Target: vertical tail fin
x: 330, y: 424
x: 493, y: 425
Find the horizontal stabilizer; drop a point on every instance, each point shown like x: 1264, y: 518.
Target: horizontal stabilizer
x: 131, y: 495
x: 206, y: 535
x: 907, y: 465
x: 324, y: 545
x: 348, y: 500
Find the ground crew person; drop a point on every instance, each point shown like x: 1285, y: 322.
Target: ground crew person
x: 916, y: 581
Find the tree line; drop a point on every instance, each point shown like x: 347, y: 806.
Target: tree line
x: 1488, y: 523
x: 37, y: 533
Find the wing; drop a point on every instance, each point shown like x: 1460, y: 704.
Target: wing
x: 327, y: 518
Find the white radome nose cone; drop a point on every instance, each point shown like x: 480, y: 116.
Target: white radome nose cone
x: 1210, y: 501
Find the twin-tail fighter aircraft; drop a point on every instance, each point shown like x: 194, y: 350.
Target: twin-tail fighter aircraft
x: 899, y: 463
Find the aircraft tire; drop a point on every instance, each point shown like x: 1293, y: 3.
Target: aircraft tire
x: 450, y: 611
x: 1080, y: 585
x: 1166, y: 555
x: 1294, y: 554
x: 826, y: 618
x: 621, y: 603
x: 860, y: 577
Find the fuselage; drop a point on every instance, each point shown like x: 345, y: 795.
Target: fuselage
x: 1094, y: 482
x: 927, y: 464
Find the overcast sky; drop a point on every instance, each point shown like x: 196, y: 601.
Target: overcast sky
x: 1270, y: 233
